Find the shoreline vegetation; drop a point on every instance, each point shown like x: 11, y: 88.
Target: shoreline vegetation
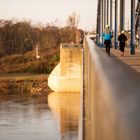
x: 23, y: 83
x: 29, y: 53
x: 25, y: 48
x: 23, y: 76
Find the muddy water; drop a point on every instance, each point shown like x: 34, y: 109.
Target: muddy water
x: 52, y: 116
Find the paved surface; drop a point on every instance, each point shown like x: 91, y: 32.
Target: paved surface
x: 132, y: 61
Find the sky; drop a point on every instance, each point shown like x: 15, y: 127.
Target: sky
x: 48, y: 11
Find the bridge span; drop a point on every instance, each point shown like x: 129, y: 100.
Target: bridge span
x: 110, y: 90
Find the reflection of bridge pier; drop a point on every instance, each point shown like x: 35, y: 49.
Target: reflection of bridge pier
x: 65, y: 107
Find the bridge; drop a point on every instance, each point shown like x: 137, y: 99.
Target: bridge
x: 110, y: 89
x: 111, y: 94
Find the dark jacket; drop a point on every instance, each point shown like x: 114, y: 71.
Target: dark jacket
x: 122, y: 38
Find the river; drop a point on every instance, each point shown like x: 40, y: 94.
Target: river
x: 52, y: 116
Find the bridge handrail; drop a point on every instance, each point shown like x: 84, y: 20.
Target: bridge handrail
x: 111, y: 97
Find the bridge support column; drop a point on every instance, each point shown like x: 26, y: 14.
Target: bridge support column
x: 139, y: 32
x: 102, y: 2
x: 98, y: 24
x: 111, y: 14
x: 122, y: 14
x: 101, y: 31
x: 107, y: 21
x: 104, y: 13
x: 132, y: 51
x: 116, y: 25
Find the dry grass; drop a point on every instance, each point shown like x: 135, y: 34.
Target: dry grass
x: 24, y: 77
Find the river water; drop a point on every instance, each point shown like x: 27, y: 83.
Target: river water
x: 45, y: 117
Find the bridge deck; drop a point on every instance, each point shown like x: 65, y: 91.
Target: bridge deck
x: 131, y: 60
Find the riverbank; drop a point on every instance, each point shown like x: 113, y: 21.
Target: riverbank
x: 23, y: 83
x: 23, y: 76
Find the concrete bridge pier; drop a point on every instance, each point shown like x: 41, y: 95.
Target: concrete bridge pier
x: 66, y: 76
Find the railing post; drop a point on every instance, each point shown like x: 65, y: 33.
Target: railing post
x: 132, y: 51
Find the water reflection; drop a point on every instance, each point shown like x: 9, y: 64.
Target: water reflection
x: 65, y: 107
x: 27, y: 118
x: 46, y: 117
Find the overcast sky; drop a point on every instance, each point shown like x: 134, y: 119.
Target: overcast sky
x: 47, y: 11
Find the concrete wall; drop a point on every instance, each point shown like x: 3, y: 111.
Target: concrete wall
x: 111, y: 109
x: 66, y: 77
x: 70, y: 60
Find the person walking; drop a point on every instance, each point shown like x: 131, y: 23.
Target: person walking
x: 107, y: 35
x: 122, y: 38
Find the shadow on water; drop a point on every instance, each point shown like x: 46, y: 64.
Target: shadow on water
x: 52, y: 116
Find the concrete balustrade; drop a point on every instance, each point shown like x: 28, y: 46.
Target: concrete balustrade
x: 111, y: 97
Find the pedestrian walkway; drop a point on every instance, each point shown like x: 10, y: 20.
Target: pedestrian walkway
x: 131, y: 60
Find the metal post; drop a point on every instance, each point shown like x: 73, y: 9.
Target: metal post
x: 116, y: 25
x: 107, y: 12
x: 98, y: 24
x: 101, y: 31
x: 122, y: 14
x: 97, y: 30
x: 102, y: 22
x: 139, y: 32
x: 132, y: 51
x: 111, y: 14
x: 104, y: 14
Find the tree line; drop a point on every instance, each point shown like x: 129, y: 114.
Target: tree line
x: 21, y: 37
x: 18, y: 40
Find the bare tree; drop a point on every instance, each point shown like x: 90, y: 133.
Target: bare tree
x: 73, y: 20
